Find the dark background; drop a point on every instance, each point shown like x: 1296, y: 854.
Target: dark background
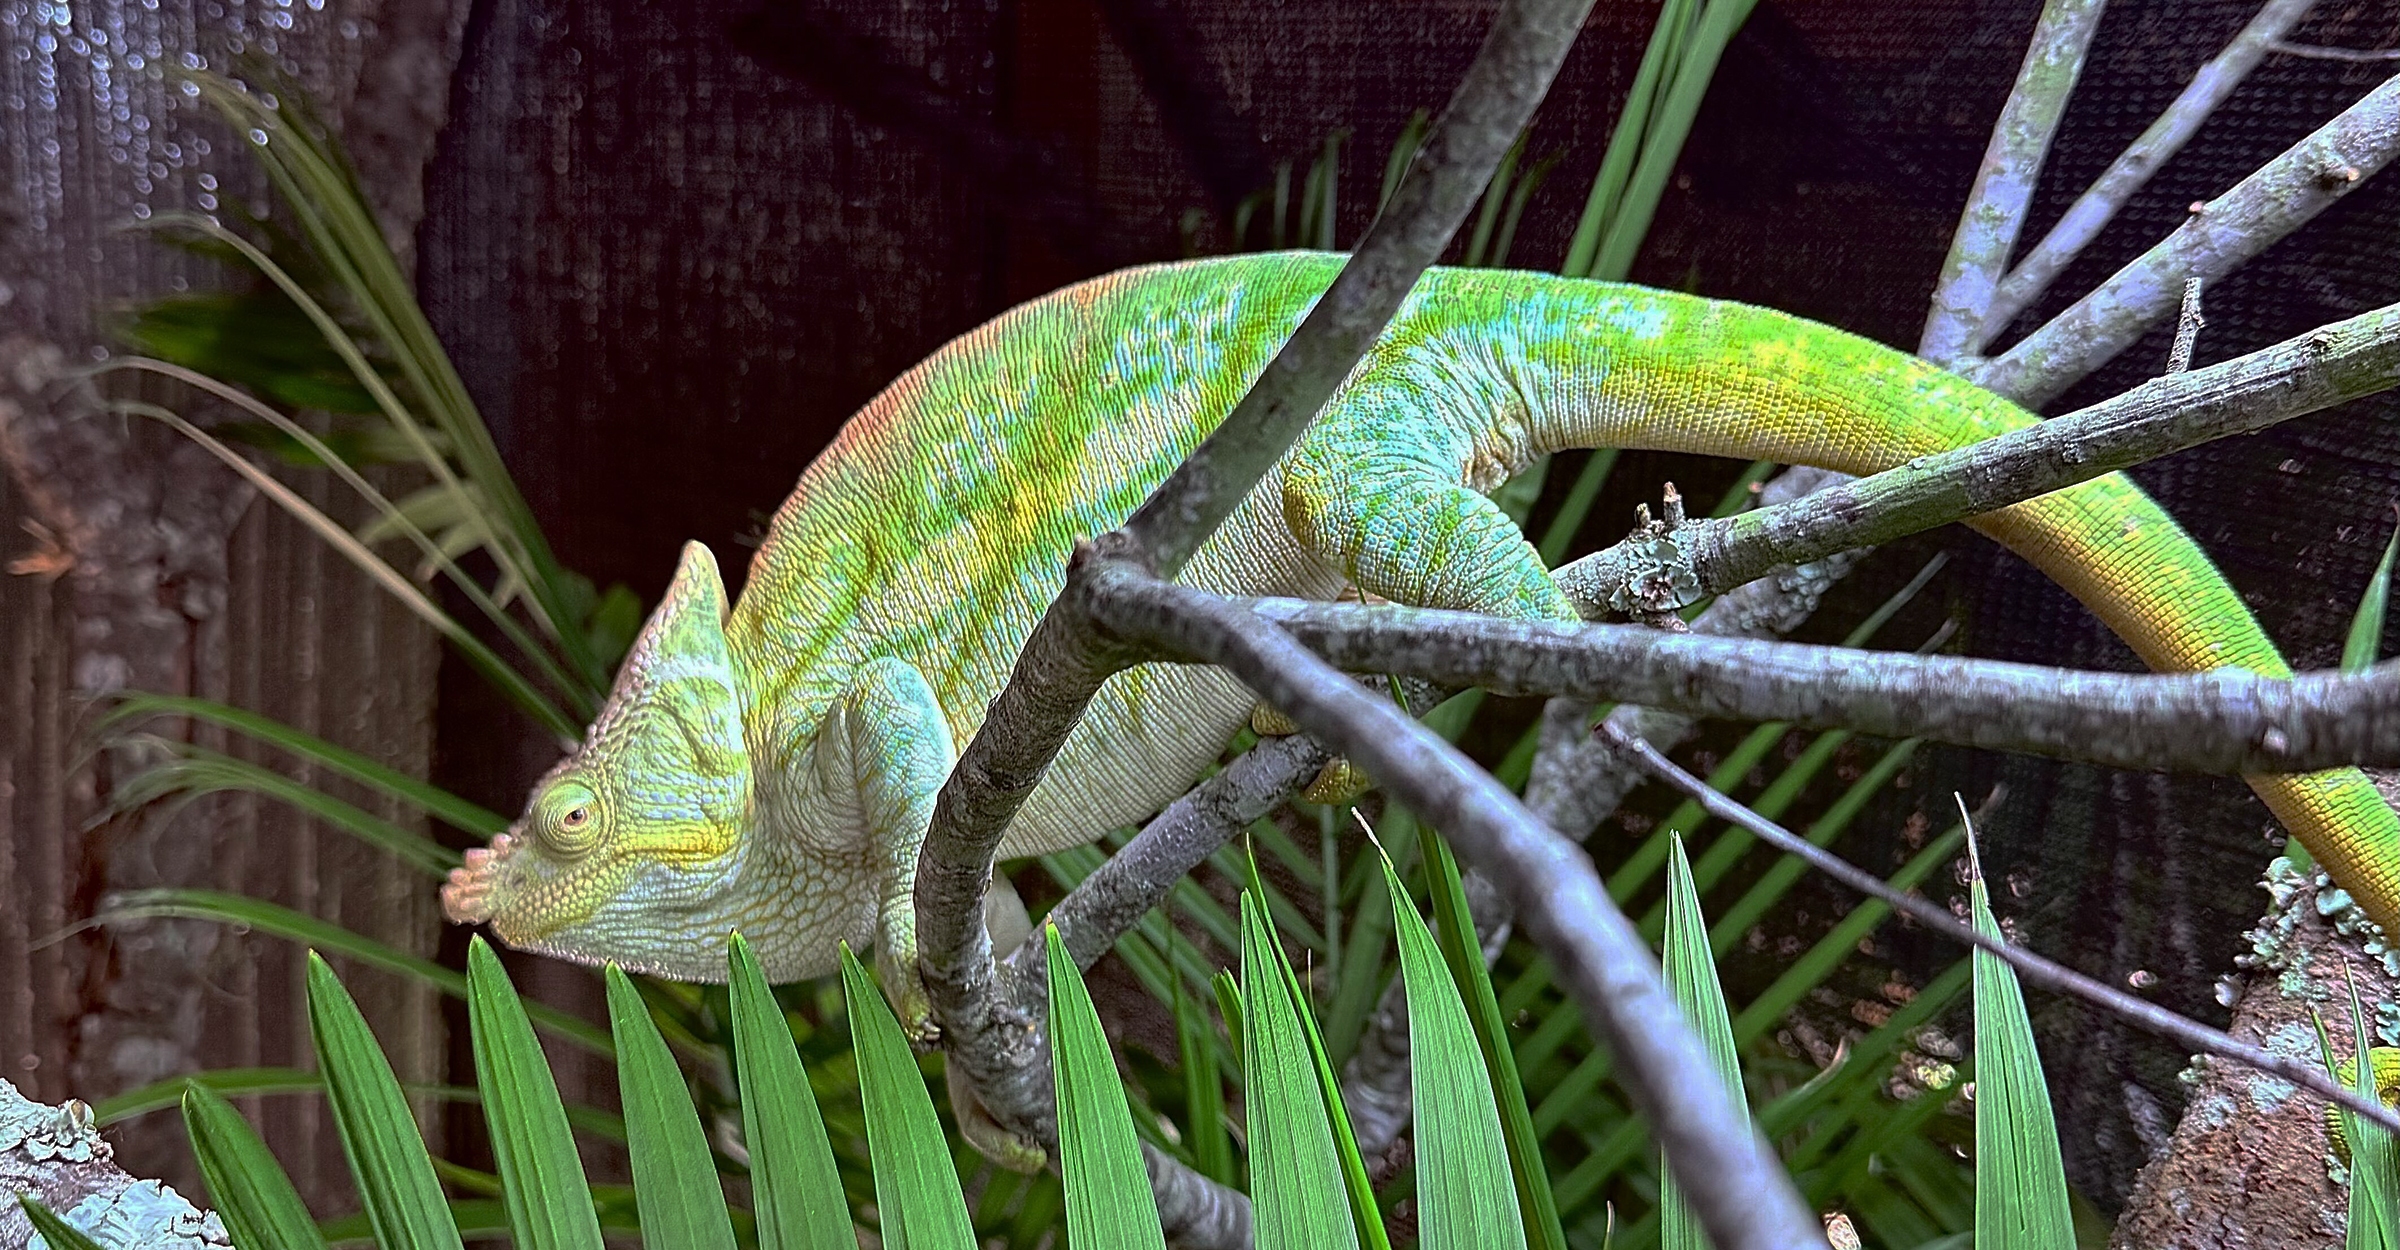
x: 672, y: 246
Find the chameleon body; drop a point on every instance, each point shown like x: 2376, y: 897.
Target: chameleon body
x: 773, y: 771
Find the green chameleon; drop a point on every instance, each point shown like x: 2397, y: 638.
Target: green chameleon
x: 773, y: 770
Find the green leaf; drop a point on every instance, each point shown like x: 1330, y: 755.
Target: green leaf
x: 2366, y: 628
x: 1293, y: 1170
x: 396, y: 1183
x: 2373, y: 1221
x: 251, y: 1194
x: 2020, y: 1181
x: 548, y: 1199
x: 1203, y: 1091
x: 1464, y: 1194
x: 674, y: 1176
x: 1108, y: 1191
x: 279, y: 921
x: 1454, y: 927
x: 54, y: 1229
x: 188, y: 770
x: 794, y: 1184
x: 436, y: 802
x: 1691, y: 973
x: 1229, y: 1008
x: 916, y: 1186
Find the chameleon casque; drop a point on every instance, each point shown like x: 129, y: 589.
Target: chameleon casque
x: 773, y: 770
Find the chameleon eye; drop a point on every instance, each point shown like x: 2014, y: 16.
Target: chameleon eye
x: 569, y: 822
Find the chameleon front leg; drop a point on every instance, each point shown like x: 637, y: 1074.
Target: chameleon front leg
x: 883, y: 752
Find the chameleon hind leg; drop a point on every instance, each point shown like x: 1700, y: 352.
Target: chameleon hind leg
x: 1399, y: 519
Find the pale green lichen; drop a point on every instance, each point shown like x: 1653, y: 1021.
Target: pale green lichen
x: 2274, y: 944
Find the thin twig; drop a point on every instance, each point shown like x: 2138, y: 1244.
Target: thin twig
x: 2132, y: 169
x: 2188, y: 324
x: 2279, y: 198
x: 2319, y: 52
x: 2188, y: 1034
x: 1741, y: 1193
x: 2226, y: 720
x: 2012, y: 165
x: 994, y: 1042
x: 2314, y: 371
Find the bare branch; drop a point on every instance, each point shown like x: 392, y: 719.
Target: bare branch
x: 2189, y: 1034
x: 2280, y: 197
x: 2319, y: 52
x: 994, y: 1043
x: 1098, y: 911
x: 2188, y: 325
x: 2012, y: 165
x: 1743, y: 1197
x: 2132, y: 169
x: 2227, y: 720
x: 2314, y: 371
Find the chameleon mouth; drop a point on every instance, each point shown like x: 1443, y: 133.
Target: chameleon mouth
x: 467, y: 895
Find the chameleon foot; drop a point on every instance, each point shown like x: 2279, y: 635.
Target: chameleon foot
x: 1017, y: 1154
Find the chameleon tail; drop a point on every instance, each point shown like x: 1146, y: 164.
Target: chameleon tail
x: 1602, y: 365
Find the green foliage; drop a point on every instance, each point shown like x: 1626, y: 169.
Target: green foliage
x: 1691, y: 972
x: 1108, y: 1193
x: 1293, y: 1163
x: 542, y: 1182
x: 2020, y: 1181
x: 2374, y: 1214
x: 674, y: 1181
x: 794, y: 1180
x: 396, y: 1184
x: 52, y: 1229
x: 2366, y: 627
x: 1466, y: 1187
x: 916, y: 1188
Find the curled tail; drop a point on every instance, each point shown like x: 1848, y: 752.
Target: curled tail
x: 1601, y: 365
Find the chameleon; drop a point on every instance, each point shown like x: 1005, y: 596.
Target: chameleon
x: 772, y: 768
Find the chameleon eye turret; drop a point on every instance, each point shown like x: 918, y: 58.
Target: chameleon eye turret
x: 567, y: 820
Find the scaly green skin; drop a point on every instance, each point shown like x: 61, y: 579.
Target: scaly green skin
x: 774, y: 772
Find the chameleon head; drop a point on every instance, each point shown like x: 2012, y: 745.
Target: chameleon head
x: 630, y: 844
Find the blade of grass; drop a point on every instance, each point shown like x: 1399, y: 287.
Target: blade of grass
x: 794, y: 1182
x: 916, y: 1185
x: 433, y: 800
x: 189, y: 771
x: 2366, y: 627
x: 1663, y: 139
x: 2020, y: 1180
x: 248, y: 1187
x: 1203, y: 1091
x: 548, y: 1198
x: 1108, y: 1192
x: 279, y: 921
x: 1463, y: 1196
x: 1454, y: 930
x: 1691, y: 972
x: 1602, y: 204
x: 1293, y: 1164
x: 396, y: 1184
x: 256, y: 1082
x: 674, y: 1178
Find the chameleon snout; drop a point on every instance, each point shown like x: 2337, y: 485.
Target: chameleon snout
x: 467, y: 895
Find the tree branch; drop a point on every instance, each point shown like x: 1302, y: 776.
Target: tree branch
x: 2280, y: 197
x: 996, y: 1044
x: 1741, y: 1193
x: 2188, y: 1034
x: 2012, y: 165
x: 2227, y: 720
x: 2132, y: 169
x: 2314, y: 371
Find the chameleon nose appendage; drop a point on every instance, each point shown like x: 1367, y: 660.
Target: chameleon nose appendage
x: 467, y: 896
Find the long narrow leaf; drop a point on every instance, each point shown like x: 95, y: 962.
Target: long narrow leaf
x: 1203, y: 1091
x: 193, y: 771
x: 794, y: 1183
x: 2366, y: 627
x: 674, y: 1176
x: 548, y: 1199
x: 250, y: 1191
x: 2020, y: 1180
x: 1691, y: 973
x: 1108, y: 1193
x: 916, y: 1186
x: 1455, y: 930
x: 1293, y: 1171
x: 396, y: 1184
x: 1464, y: 1194
x: 435, y: 801
x: 244, y: 911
